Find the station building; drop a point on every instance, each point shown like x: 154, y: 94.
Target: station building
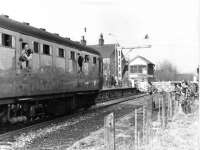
x: 140, y: 70
x: 113, y: 61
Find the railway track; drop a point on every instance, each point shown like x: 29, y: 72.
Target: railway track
x: 42, y: 124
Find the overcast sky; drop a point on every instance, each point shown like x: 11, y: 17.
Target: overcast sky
x: 171, y: 24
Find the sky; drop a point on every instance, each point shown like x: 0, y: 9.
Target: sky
x: 172, y: 25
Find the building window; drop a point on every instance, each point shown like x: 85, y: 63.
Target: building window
x: 133, y: 69
x: 150, y: 69
x: 87, y: 58
x: 6, y: 40
x: 46, y: 49
x: 138, y: 69
x: 94, y: 60
x: 36, y: 47
x: 61, y: 52
x: 141, y: 68
x: 72, y: 55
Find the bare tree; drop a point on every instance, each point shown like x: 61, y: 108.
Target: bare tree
x: 166, y: 71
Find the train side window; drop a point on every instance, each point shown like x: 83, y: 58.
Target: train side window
x: 6, y: 40
x: 23, y: 44
x: 86, y: 58
x: 46, y: 49
x: 61, y: 52
x: 94, y: 60
x: 36, y: 47
x: 72, y: 55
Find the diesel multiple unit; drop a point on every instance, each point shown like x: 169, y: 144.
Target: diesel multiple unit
x: 61, y: 75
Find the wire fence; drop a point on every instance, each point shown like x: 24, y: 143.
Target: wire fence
x: 158, y: 111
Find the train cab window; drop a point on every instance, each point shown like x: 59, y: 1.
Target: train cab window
x: 94, y: 60
x: 72, y: 55
x: 6, y: 40
x: 46, y: 49
x: 61, y: 52
x: 87, y: 58
x: 36, y: 47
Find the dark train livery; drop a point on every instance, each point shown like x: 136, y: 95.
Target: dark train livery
x: 61, y: 75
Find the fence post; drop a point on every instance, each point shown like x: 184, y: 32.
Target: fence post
x: 109, y: 132
x: 138, y: 139
x: 159, y: 97
x: 163, y: 110
x: 148, y: 118
x: 144, y: 124
x: 136, y: 143
x: 168, y: 106
x: 171, y: 106
x: 176, y: 103
x: 172, y: 100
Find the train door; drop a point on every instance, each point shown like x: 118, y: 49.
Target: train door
x: 7, y: 51
x: 7, y: 63
x: 36, y: 59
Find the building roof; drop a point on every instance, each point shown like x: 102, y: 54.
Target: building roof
x: 26, y: 29
x: 106, y: 50
x: 146, y: 60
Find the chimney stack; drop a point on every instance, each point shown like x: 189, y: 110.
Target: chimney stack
x: 83, y: 41
x: 101, y: 40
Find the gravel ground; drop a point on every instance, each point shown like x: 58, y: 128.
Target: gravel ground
x: 64, y: 135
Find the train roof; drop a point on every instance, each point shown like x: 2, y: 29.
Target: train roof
x: 25, y: 28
